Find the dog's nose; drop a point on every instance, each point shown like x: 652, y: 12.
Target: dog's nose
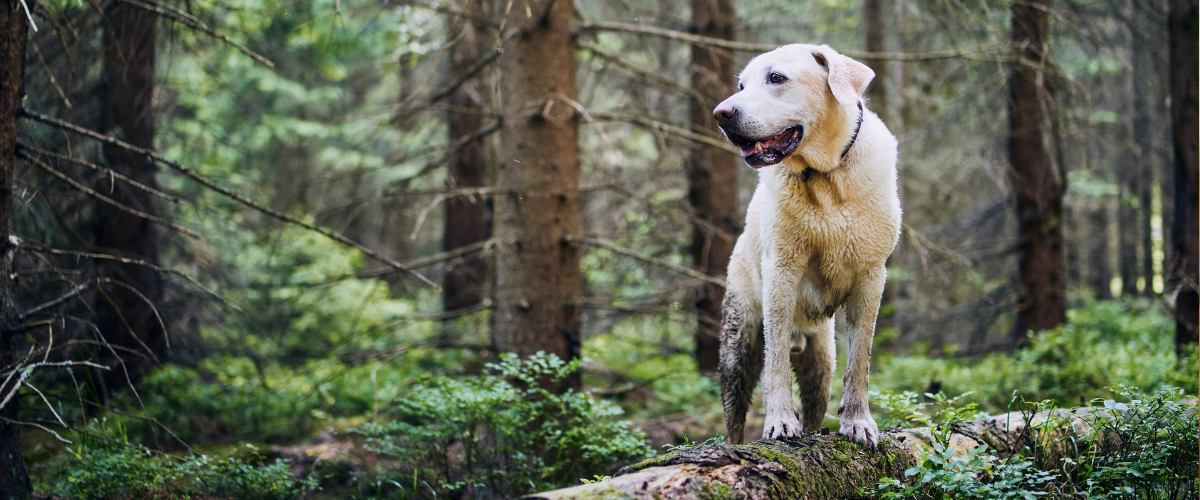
x: 724, y: 113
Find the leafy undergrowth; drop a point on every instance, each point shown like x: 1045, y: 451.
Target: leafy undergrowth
x: 1145, y: 447
x: 107, y: 470
x: 500, y: 434
x: 1103, y: 344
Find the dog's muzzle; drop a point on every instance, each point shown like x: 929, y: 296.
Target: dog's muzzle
x: 768, y: 151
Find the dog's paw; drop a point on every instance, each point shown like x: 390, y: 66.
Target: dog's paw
x: 860, y: 429
x: 782, y: 425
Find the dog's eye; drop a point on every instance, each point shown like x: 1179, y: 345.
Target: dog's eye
x: 776, y: 78
x: 741, y: 86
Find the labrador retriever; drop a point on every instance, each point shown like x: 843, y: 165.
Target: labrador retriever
x: 823, y: 220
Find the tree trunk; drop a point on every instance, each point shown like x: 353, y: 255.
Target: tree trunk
x: 14, y: 478
x: 1133, y: 177
x: 1184, y: 33
x: 876, y: 30
x: 538, y: 280
x: 465, y: 221
x: 1142, y: 96
x: 1099, y: 274
x: 1127, y: 224
x: 1037, y: 185
x: 873, y: 17
x: 812, y: 467
x: 128, y: 91
x: 712, y: 173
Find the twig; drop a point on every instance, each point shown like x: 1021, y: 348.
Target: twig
x: 43, y: 396
x: 107, y: 171
x: 946, y: 253
x: 363, y: 356
x: 26, y: 370
x: 765, y: 47
x: 445, y: 196
x: 338, y: 237
x: 162, y: 324
x: 132, y: 334
x: 127, y: 414
x: 198, y: 26
x: 597, y: 242
x: 485, y: 246
x: 691, y: 216
x: 670, y: 129
x: 655, y: 77
x: 466, y: 75
x: 104, y: 199
x: 138, y: 262
x: 56, y: 301
x: 39, y: 426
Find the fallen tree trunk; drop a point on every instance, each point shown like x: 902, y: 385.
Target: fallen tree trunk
x: 815, y: 466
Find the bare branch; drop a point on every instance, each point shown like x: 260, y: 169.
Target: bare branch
x: 104, y: 199
x: 766, y: 47
x: 648, y: 75
x: 466, y: 75
x: 690, y: 215
x: 672, y: 130
x: 195, y: 24
x: 39, y: 426
x: 127, y: 260
x: 480, y: 191
x: 56, y: 301
x: 125, y: 413
x: 597, y: 242
x: 109, y: 172
x: 338, y: 237
x: 124, y: 260
x: 946, y: 253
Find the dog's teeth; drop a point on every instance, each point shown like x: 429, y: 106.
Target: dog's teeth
x: 758, y: 146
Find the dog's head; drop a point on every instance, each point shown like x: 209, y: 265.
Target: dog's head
x: 796, y: 97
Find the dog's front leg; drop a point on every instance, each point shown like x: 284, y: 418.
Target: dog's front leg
x: 779, y: 304
x: 861, y: 309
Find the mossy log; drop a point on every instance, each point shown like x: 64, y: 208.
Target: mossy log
x: 822, y: 465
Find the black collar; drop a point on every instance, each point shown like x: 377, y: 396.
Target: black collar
x: 807, y: 173
x: 857, y: 127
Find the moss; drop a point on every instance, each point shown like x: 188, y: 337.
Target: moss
x: 658, y: 461
x: 716, y: 490
x: 608, y: 492
x: 793, y: 467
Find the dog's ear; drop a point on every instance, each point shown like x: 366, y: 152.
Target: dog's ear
x: 847, y: 78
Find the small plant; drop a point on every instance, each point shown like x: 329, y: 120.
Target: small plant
x: 502, y: 432
x: 906, y: 410
x: 687, y: 443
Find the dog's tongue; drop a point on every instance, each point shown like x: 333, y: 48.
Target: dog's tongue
x: 777, y: 143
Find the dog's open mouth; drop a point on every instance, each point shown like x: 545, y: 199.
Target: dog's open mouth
x: 769, y: 151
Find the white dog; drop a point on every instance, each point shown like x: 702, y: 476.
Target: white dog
x: 823, y: 220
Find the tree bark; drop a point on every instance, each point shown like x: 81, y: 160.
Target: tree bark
x: 712, y: 173
x: 538, y: 280
x: 465, y: 217
x: 1037, y: 185
x: 128, y: 96
x: 813, y: 466
x: 14, y: 478
x: 1184, y: 33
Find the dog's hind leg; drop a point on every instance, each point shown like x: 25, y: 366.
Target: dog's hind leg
x: 740, y: 366
x: 813, y: 361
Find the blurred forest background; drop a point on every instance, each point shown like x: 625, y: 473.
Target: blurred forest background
x: 309, y: 229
